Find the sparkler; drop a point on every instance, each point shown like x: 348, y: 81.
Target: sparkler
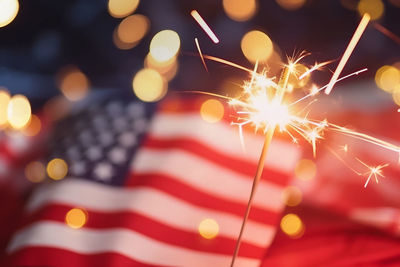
x: 262, y: 105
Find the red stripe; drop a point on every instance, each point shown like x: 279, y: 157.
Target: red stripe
x: 50, y: 256
x: 190, y: 194
x: 148, y: 227
x: 233, y: 163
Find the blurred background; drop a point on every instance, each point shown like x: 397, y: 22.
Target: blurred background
x: 55, y: 54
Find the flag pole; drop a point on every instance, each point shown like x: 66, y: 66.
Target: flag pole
x: 283, y: 81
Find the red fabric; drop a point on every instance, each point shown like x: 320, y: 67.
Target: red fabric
x: 332, y: 240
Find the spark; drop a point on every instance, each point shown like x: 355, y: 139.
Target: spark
x: 204, y: 26
x: 364, y: 137
x: 345, y: 148
x: 343, y: 161
x: 200, y: 53
x: 375, y: 171
x: 227, y: 62
x: 315, y: 91
x: 347, y: 53
x: 316, y: 66
x: 386, y: 32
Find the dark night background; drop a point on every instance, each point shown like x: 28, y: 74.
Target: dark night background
x: 47, y: 35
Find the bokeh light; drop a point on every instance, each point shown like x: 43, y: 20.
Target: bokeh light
x: 149, y: 85
x: 374, y: 8
x: 76, y: 218
x: 240, y: 10
x: 305, y: 169
x: 34, y: 126
x: 131, y: 31
x: 387, y: 78
x: 168, y: 69
x: 292, y: 196
x: 294, y: 81
x: 122, y: 8
x: 165, y: 45
x: 292, y: 225
x: 57, y: 169
x: 18, y: 111
x: 8, y: 11
x: 208, y: 228
x: 73, y: 83
x: 56, y: 108
x: 291, y: 4
x: 396, y: 95
x: 4, y: 100
x: 256, y: 45
x: 212, y: 110
x: 35, y: 171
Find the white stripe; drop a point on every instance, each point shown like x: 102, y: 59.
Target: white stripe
x: 282, y: 156
x: 206, y: 176
x: 125, y: 242
x: 148, y: 202
x: 383, y: 217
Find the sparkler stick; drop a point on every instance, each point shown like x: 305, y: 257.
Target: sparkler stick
x: 267, y: 141
x: 347, y: 53
x: 200, y: 53
x: 204, y: 26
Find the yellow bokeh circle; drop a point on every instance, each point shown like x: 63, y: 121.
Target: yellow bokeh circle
x: 208, y: 228
x: 4, y: 100
x: 57, y: 169
x: 291, y: 4
x: 76, y: 218
x: 165, y: 45
x: 18, y: 111
x: 305, y: 169
x: 122, y: 8
x: 374, y: 8
x: 149, y: 85
x: 256, y: 45
x: 292, y: 225
x: 240, y: 10
x: 212, y: 110
x: 387, y: 78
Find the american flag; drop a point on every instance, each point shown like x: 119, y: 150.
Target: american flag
x: 145, y: 178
